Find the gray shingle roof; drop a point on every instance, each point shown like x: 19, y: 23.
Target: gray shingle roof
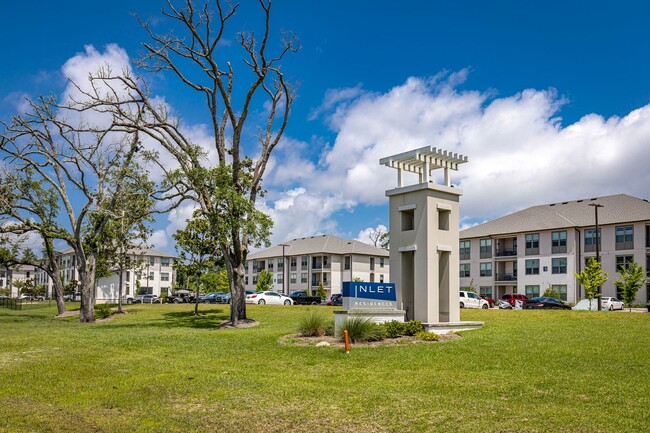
x: 617, y: 209
x: 326, y: 244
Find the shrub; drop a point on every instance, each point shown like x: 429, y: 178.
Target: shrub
x: 313, y: 325
x: 427, y: 336
x: 394, y: 328
x: 551, y: 293
x: 102, y: 311
x: 361, y: 329
x: 412, y: 327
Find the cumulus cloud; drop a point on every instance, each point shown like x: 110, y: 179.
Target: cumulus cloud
x: 158, y: 239
x: 519, y: 152
x: 370, y: 235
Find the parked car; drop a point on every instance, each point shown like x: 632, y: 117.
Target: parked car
x: 147, y: 299
x: 302, y: 298
x: 511, y: 298
x: 269, y: 297
x: 586, y: 304
x: 489, y: 300
x: 181, y: 296
x: 210, y: 298
x: 224, y: 298
x: 648, y: 306
x: 336, y: 300
x: 545, y: 303
x: 472, y: 300
x: 607, y: 303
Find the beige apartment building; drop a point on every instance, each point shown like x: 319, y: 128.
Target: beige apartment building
x: 302, y: 264
x: 152, y: 273
x: 12, y: 274
x: 544, y: 246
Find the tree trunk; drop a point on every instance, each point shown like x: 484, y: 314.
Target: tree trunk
x: 87, y: 280
x: 238, y: 299
x: 57, y: 286
x: 119, y: 293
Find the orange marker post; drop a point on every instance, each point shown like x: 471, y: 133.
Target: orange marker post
x: 347, y: 343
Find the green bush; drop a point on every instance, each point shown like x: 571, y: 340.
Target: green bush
x: 412, y: 327
x: 361, y: 329
x: 313, y: 325
x: 427, y: 336
x: 102, y: 311
x: 394, y: 328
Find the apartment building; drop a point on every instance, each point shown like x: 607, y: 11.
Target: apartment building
x: 11, y: 274
x: 302, y: 264
x: 151, y: 273
x: 544, y: 246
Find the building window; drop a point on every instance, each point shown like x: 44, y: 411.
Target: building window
x: 444, y: 216
x: 464, y: 270
x: 532, y: 244
x: 590, y: 240
x: 464, y: 250
x: 532, y: 267
x: 304, y: 260
x: 485, y: 269
x: 558, y: 265
x: 372, y: 277
x: 381, y: 278
x: 246, y: 280
x: 561, y: 290
x: 486, y: 248
x: 372, y: 263
x: 347, y: 260
x: 151, y: 276
x: 623, y: 262
x: 381, y: 262
x: 256, y: 266
x: 558, y: 242
x: 280, y: 264
x: 532, y: 291
x: 270, y: 265
x: 255, y: 277
x: 165, y: 261
x: 246, y: 265
x: 408, y: 219
x: 625, y: 238
x: 303, y: 277
x: 280, y: 278
x: 164, y: 276
x: 486, y: 291
x: 293, y: 277
x: 152, y: 261
x: 293, y: 262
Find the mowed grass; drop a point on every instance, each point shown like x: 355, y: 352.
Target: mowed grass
x: 158, y: 369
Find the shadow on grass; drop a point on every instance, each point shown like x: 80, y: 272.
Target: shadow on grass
x: 206, y: 318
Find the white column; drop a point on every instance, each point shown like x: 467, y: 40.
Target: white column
x: 447, y: 177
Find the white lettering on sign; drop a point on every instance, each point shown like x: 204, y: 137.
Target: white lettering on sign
x: 378, y: 289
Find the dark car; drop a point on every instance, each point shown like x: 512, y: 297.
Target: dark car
x: 544, y: 303
x: 210, y: 298
x: 490, y: 301
x: 336, y: 300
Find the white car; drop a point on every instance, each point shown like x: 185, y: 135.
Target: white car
x: 610, y: 304
x: 472, y: 300
x: 271, y: 298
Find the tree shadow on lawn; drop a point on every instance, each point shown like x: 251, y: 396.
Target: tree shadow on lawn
x: 207, y: 319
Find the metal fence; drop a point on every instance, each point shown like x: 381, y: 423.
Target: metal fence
x: 21, y: 304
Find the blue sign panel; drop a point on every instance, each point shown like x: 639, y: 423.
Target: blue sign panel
x: 362, y: 295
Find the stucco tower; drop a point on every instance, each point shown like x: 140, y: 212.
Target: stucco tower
x: 424, y: 224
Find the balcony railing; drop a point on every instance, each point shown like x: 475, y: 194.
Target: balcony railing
x: 506, y: 252
x: 506, y: 277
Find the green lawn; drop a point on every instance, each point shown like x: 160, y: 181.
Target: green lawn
x: 158, y: 369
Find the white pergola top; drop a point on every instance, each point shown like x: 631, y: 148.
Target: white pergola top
x: 422, y: 161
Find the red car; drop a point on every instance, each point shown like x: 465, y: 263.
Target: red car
x: 336, y: 300
x: 491, y: 301
x: 511, y: 298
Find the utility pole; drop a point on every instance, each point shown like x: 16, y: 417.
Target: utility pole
x: 596, y: 206
x: 284, y: 274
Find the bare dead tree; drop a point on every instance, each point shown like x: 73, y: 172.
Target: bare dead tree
x: 73, y: 163
x: 226, y: 193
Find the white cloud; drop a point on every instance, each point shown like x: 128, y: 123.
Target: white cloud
x: 158, y: 239
x: 366, y: 234
x: 519, y: 152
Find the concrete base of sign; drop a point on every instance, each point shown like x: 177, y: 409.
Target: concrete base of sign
x: 449, y: 327
x: 376, y: 316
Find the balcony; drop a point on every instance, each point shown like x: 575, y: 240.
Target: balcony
x: 505, y: 277
x: 507, y: 252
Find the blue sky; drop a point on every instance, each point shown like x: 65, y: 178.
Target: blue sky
x: 549, y: 100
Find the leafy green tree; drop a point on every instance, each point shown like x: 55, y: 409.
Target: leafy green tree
x: 264, y: 281
x: 592, y: 278
x: 197, y: 250
x: 551, y: 293
x: 216, y: 281
x: 630, y: 279
x: 321, y: 291
x: 25, y: 287
x: 357, y: 279
x: 227, y: 191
